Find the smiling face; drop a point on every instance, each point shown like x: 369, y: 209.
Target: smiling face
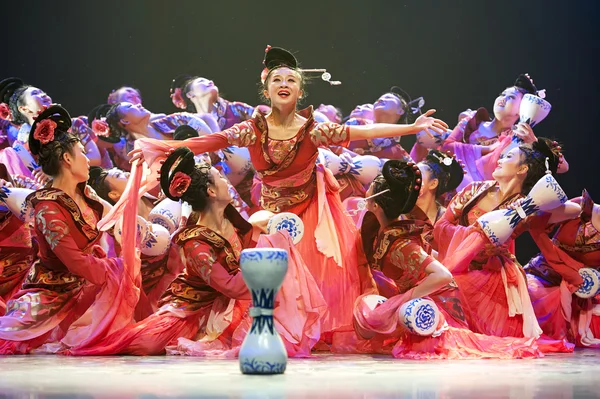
x: 510, y: 165
x: 284, y: 87
x: 507, y: 104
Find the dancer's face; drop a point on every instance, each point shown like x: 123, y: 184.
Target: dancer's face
x: 78, y: 163
x: 389, y: 105
x: 131, y: 114
x: 34, y: 101
x: 202, y: 87
x: 510, y: 165
x: 129, y: 95
x: 507, y: 104
x: 284, y: 87
x: 428, y: 182
x: 219, y: 186
x: 117, y: 181
x: 364, y: 111
x: 330, y: 112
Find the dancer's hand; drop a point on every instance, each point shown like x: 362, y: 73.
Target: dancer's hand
x: 136, y: 155
x: 525, y: 133
x: 4, y: 183
x: 425, y: 122
x: 516, y: 203
x: 40, y: 177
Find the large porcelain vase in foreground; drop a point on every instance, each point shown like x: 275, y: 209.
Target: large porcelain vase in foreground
x: 263, y: 351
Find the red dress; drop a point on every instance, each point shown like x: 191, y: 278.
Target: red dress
x: 492, y: 283
x: 205, y: 309
x: 291, y: 182
x: 16, y: 255
x: 553, y: 276
x: 398, y: 252
x: 70, y: 277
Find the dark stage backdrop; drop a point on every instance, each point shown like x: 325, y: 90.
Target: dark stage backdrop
x: 457, y: 54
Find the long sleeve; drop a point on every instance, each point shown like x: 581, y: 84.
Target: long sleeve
x: 409, y: 261
x: 51, y: 221
x: 453, y: 239
x: 329, y: 133
x: 202, y: 261
x: 241, y: 135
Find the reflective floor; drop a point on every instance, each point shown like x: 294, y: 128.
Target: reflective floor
x: 555, y: 376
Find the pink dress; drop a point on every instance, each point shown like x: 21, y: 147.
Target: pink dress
x: 492, y: 283
x: 71, y: 277
x: 291, y: 182
x: 398, y: 252
x: 466, y: 141
x: 204, y: 312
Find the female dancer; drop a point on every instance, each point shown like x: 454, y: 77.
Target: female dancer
x: 283, y: 147
x: 71, y: 270
x: 441, y: 173
x: 395, y: 248
x: 491, y: 281
x: 553, y: 275
x: 206, y: 306
x: 201, y: 96
x: 479, y: 142
x: 394, y: 106
x: 128, y: 122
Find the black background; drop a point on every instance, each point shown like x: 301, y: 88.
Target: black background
x: 457, y: 54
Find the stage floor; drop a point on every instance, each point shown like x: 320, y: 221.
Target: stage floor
x: 555, y: 376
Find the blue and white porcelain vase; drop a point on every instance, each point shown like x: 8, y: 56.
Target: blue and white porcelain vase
x: 263, y: 351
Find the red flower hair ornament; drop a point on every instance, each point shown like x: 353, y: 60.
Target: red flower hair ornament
x: 100, y: 127
x: 179, y: 184
x: 177, y: 99
x: 5, y: 112
x: 44, y: 131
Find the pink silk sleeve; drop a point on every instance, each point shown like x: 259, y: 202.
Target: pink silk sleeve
x: 455, y: 138
x: 450, y: 235
x: 468, y: 153
x: 418, y: 152
x: 51, y: 222
x: 486, y: 164
x: 239, y: 135
x: 202, y: 261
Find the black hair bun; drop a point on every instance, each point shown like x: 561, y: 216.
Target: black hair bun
x: 184, y: 132
x: 181, y: 160
x: 525, y: 83
x: 449, y: 167
x: 279, y: 57
x: 404, y: 180
x: 7, y: 88
x: 59, y: 116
